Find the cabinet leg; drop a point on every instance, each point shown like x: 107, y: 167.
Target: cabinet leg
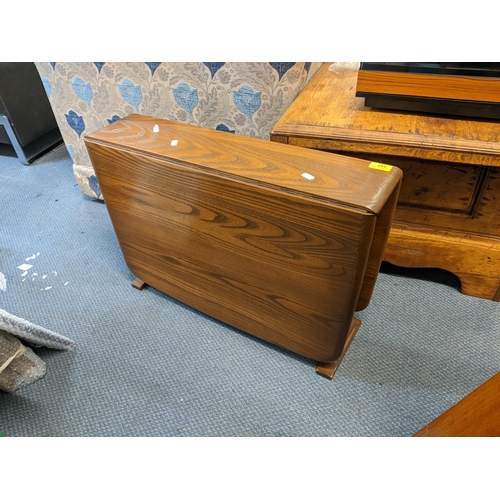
x: 483, y: 287
x: 328, y: 370
x: 475, y: 260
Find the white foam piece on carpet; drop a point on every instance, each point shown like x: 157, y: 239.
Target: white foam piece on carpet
x: 34, y: 334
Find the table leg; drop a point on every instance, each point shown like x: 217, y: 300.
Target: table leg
x: 139, y: 284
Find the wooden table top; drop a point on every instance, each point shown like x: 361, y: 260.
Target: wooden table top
x: 327, y: 111
x: 333, y: 178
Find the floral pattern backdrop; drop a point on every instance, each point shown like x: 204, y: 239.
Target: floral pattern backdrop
x: 242, y: 98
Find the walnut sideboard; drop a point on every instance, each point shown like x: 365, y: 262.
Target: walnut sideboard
x: 448, y: 213
x: 281, y: 242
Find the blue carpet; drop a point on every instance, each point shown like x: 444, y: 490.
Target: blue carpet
x: 147, y: 365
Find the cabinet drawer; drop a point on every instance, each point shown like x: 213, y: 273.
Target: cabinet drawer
x: 440, y: 186
x: 446, y: 195
x: 431, y: 185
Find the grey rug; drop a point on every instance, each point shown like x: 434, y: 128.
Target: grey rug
x: 147, y: 365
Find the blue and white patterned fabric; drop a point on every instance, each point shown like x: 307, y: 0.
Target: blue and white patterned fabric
x: 241, y: 98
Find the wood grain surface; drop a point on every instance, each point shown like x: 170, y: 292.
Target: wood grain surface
x: 467, y: 88
x: 337, y: 179
x: 227, y: 225
x: 477, y: 415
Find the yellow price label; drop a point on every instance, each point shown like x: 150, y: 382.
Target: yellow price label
x: 380, y: 166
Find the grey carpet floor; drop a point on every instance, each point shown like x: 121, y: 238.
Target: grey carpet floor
x: 147, y: 365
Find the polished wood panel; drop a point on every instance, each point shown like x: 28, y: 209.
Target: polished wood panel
x: 449, y: 199
x: 468, y: 88
x: 228, y: 225
x: 477, y: 415
x: 379, y: 244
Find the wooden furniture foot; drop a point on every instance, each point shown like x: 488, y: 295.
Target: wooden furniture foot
x: 328, y: 369
x: 484, y: 287
x: 139, y: 284
x: 475, y: 260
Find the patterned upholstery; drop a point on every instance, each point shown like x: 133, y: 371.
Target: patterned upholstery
x: 242, y: 98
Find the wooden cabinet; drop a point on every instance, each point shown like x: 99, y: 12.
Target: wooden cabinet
x: 280, y: 242
x: 449, y: 205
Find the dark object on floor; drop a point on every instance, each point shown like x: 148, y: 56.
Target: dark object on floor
x: 281, y: 242
x: 28, y: 128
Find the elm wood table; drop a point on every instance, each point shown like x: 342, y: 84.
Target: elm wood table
x: 477, y: 415
x: 448, y: 212
x: 281, y: 242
